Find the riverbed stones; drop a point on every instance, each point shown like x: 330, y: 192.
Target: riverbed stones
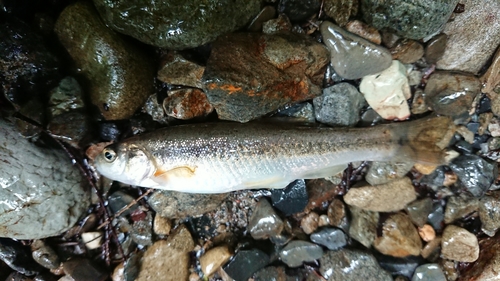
x: 353, y: 57
x: 250, y: 74
x: 264, y: 222
x: 458, y: 244
x: 399, y: 237
x: 120, y: 76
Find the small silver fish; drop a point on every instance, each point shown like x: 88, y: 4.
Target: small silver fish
x: 224, y: 157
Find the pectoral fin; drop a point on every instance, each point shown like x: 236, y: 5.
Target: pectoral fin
x: 163, y: 177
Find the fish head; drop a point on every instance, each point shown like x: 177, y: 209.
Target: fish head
x: 125, y: 163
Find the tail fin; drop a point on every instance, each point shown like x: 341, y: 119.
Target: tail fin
x: 425, y: 140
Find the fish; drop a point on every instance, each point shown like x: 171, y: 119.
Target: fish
x: 222, y: 157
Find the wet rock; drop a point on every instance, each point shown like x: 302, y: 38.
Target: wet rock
x: 142, y: 230
x: 68, y: 95
x: 282, y: 23
x: 435, y: 48
x: 250, y: 74
x: 353, y: 57
x: 177, y: 24
x: 264, y: 221
x: 83, y: 269
x: 309, y: 223
x: 155, y: 109
x: 407, y: 51
x: 427, y: 233
x: 245, y: 263
x: 298, y: 10
x: 459, y: 245
x: 186, y: 104
x: 161, y: 225
x: 18, y: 257
x: 387, y: 92
x: 27, y: 66
x: 119, y: 84
x: 177, y: 70
x: 487, y: 266
x: 428, y: 272
x: 414, y: 20
x: 474, y: 173
x: 71, y: 127
x: 337, y: 214
x: 340, y: 10
x: 351, y: 265
x: 489, y: 213
x: 399, y: 266
x: 339, y: 105
x: 473, y: 37
x: 266, y: 14
x: 363, y: 226
x: 41, y: 197
x: 213, y: 259
x: 301, y: 112
x: 321, y: 192
x: 399, y: 237
x: 432, y: 250
x: 436, y: 178
x: 362, y: 29
x: 491, y: 81
x: 159, y: 258
x: 459, y: 206
x: 419, y: 210
x: 332, y: 238
x: 44, y: 255
x: 172, y: 204
x: 384, y: 172
x: 436, y: 217
x: 451, y: 94
x: 374, y: 198
x: 292, y: 199
x: 119, y: 201
x: 296, y: 252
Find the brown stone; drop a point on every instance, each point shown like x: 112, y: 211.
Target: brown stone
x: 491, y: 79
x: 435, y: 48
x: 213, y: 259
x: 407, y: 51
x: 362, y: 29
x: 320, y: 192
x: 309, y: 223
x: 177, y: 70
x: 487, y: 266
x: 340, y: 10
x: 186, y: 104
x: 458, y: 244
x: 399, y: 237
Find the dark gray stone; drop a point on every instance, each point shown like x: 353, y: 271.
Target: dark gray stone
x: 399, y: 266
x: 419, y: 210
x: 292, y: 199
x: 18, y: 257
x: 332, y: 238
x: 245, y: 263
x: 297, y: 252
x: 384, y: 172
x: 474, y: 173
x: 339, y: 105
x: 436, y: 217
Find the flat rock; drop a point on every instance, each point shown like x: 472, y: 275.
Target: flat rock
x: 473, y: 37
x: 363, y: 227
x: 119, y: 85
x: 173, y: 205
x: 42, y: 193
x: 264, y: 221
x: 414, y: 19
x: 339, y: 105
x: 386, y: 92
x: 459, y: 244
x: 434, y: 49
x: 351, y: 265
x: 251, y: 74
x: 297, y: 252
x: 374, y: 198
x: 384, y: 172
x: 176, y: 25
x: 168, y: 259
x: 407, y: 51
x: 353, y: 57
x: 399, y: 237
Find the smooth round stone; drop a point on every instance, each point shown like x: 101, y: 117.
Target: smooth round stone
x: 332, y: 238
x: 44, y: 255
x: 213, y: 259
x: 435, y: 48
x: 264, y: 222
x: 428, y: 272
x: 176, y: 24
x: 297, y: 252
x: 353, y: 57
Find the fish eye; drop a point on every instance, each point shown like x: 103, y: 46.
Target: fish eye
x: 109, y: 155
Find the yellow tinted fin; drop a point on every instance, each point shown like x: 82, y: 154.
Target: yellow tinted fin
x: 162, y: 177
x: 424, y: 140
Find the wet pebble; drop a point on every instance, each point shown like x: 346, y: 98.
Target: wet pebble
x: 487, y: 266
x: 266, y: 14
x: 272, y: 70
x: 363, y: 227
x: 44, y: 255
x: 435, y: 48
x: 351, y: 265
x: 402, y: 267
x: 383, y: 172
x: 186, y: 104
x: 419, y: 210
x: 353, y: 57
x: 142, y: 228
x: 92, y: 240
x: 375, y: 198
x: 399, y: 237
x: 332, y: 238
x: 489, y: 213
x: 386, y: 92
x: 432, y: 250
x: 458, y: 244
x: 407, y: 51
x: 459, y: 206
x: 292, y: 199
x: 337, y: 214
x: 119, y: 202
x: 245, y: 263
x: 172, y: 204
x: 161, y: 225
x: 340, y: 10
x: 309, y: 223
x: 159, y: 258
x: 362, y: 29
x: 413, y: 20
x: 474, y: 173
x: 18, y: 257
x: 301, y: 112
x: 264, y: 221
x: 339, y: 105
x: 68, y: 95
x: 436, y: 217
x: 297, y: 252
x: 428, y: 272
x: 213, y: 259
x: 175, y: 69
x: 473, y: 37
x: 427, y: 233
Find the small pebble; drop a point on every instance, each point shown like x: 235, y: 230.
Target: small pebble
x: 339, y: 105
x: 407, y: 51
x: 474, y: 173
x: 213, y: 259
x: 297, y: 252
x: 428, y: 272
x: 363, y: 227
x: 187, y: 104
x: 323, y: 221
x: 83, y: 269
x: 459, y: 206
x: 435, y: 48
x: 92, y: 240
x: 458, y: 244
x: 44, y: 255
x: 362, y: 29
x: 419, y: 210
x: 245, y: 263
x: 309, y: 223
x: 427, y: 233
x: 267, y: 13
x: 418, y: 105
x: 161, y: 225
x: 264, y: 221
x: 291, y: 199
x: 177, y: 70
x: 489, y: 213
x: 337, y: 214
x: 399, y: 237
x: 432, y: 250
x: 384, y: 172
x: 282, y: 23
x: 332, y: 238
